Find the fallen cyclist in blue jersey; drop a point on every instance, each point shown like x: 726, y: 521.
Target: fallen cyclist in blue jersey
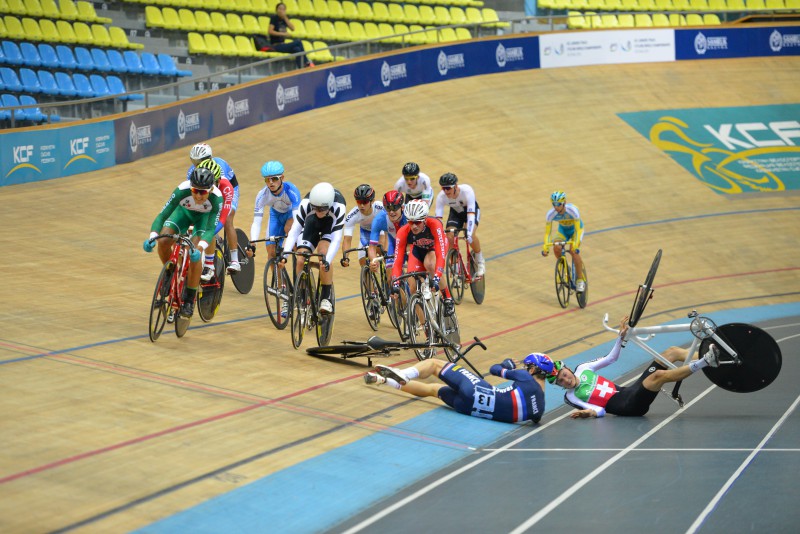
x: 466, y: 393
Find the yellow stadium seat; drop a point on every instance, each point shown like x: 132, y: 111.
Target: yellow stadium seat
x: 87, y: 13
x: 442, y: 15
x: 576, y: 20
x: 244, y: 46
x: 203, y: 20
x: 490, y: 15
x: 357, y: 30
x: 660, y: 20
x: 371, y: 29
x: 49, y: 31
x: 32, y: 30
x: 642, y: 20
x: 250, y: 23
x: 794, y: 5
x: 259, y: 6
x: 65, y: 31
x: 625, y: 20
x: 629, y: 5
x: 457, y: 15
x: 226, y: 6
x: 172, y: 21
x: 235, y: 25
x: 676, y: 20
x: 335, y: 10
x: 664, y: 5
x: 755, y: 5
x: 593, y: 20
x: 119, y: 39
x: 197, y: 44
x: 153, y: 17
x: 649, y: 5
x: 33, y: 8
x: 15, y: 7
x: 350, y: 10
x: 313, y: 31
x: 717, y: 5
x: 447, y: 35
x: 50, y: 9
x: 213, y: 46
x: 380, y: 12
x: 594, y: 5
x: 698, y: 5
x: 14, y: 28
x: 396, y: 13
x: 693, y: 19
x: 83, y: 33
x: 228, y: 45
x: 365, y: 11
x: 427, y: 17
x: 680, y: 5
x: 291, y: 6
x: 324, y: 55
x: 100, y: 35
x: 416, y: 37
x: 386, y: 32
x: 342, y: 30
x: 244, y: 6
x: 68, y: 9
x: 609, y: 21
x: 305, y: 8
x: 219, y: 23
x: 711, y: 19
x: 463, y: 34
x: 736, y: 5
x: 188, y: 22
x: 412, y: 14
x: 474, y: 15
x: 211, y: 5
x: 327, y: 31
x: 321, y: 10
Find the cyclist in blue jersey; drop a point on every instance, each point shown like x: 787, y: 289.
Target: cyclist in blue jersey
x: 201, y: 152
x: 387, y: 222
x: 522, y: 400
x: 282, y: 197
x: 364, y: 214
x: 570, y: 228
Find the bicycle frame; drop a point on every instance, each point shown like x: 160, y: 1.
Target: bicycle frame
x: 460, y: 234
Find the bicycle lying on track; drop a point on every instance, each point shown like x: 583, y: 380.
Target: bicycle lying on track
x: 565, y: 277
x: 376, y: 294
x: 305, y: 313
x: 461, y: 273
x: 168, y: 295
x: 750, y: 359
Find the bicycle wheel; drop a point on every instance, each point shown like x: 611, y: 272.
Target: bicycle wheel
x: 394, y: 308
x: 645, y: 292
x: 243, y: 280
x: 478, y: 285
x: 211, y: 296
x: 161, y: 304
x: 325, y: 324
x: 758, y: 352
x: 562, y: 281
x: 301, y: 309
x: 455, y: 275
x: 370, y: 298
x: 420, y: 329
x: 583, y: 296
x: 277, y: 294
x: 345, y: 351
x: 399, y: 308
x: 449, y: 332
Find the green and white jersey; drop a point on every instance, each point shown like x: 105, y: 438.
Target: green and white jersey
x: 182, y: 208
x: 594, y: 391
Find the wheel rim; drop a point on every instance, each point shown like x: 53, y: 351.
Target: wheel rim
x: 562, y: 282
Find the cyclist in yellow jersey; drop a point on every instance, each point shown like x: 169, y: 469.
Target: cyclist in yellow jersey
x: 570, y: 228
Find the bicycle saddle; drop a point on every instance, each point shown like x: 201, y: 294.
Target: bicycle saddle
x: 379, y: 344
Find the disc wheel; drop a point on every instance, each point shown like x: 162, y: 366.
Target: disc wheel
x: 583, y: 296
x: 325, y: 324
x: 478, y: 285
x: 243, y: 280
x: 208, y: 302
x: 301, y: 309
x: 758, y: 352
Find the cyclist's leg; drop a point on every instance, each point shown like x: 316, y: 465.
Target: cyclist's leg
x: 176, y: 223
x: 561, y: 235
x: 430, y: 266
x: 576, y: 253
x: 364, y: 240
x: 476, y: 243
x: 453, y: 222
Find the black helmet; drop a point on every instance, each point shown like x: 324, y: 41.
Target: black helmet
x: 365, y: 192
x: 202, y: 178
x: 448, y: 179
x: 410, y: 169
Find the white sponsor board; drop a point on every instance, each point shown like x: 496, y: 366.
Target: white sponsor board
x: 606, y: 48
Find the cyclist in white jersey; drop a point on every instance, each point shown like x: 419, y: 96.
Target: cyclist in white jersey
x: 570, y: 228
x: 594, y: 395
x: 362, y: 215
x: 282, y: 197
x: 464, y: 210
x: 414, y: 184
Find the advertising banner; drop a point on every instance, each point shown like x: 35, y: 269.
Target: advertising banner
x: 574, y: 49
x: 717, y: 43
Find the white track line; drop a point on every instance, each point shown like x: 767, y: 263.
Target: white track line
x: 641, y: 450
x: 721, y: 493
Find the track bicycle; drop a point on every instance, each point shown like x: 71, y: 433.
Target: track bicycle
x: 168, y: 294
x: 461, y: 273
x: 278, y: 286
x: 376, y: 347
x: 376, y: 292
x: 243, y: 279
x: 305, y: 313
x: 209, y: 294
x: 750, y: 359
x: 565, y: 277
x: 426, y: 321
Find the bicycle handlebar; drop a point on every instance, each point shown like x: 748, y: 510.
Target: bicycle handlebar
x: 270, y: 238
x: 182, y: 238
x: 415, y: 274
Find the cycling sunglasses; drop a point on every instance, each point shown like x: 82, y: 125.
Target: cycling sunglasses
x: 198, y: 191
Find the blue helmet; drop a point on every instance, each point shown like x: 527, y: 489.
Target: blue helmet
x: 541, y: 361
x: 558, y: 196
x: 272, y: 168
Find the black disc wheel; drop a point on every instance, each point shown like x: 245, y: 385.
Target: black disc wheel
x: 325, y: 323
x: 759, y: 358
x: 478, y: 285
x: 243, y: 280
x: 583, y: 296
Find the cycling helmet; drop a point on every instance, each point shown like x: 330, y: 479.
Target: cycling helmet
x: 364, y: 192
x: 202, y: 178
x: 557, y: 366
x: 448, y: 179
x: 558, y: 196
x: 200, y: 151
x: 416, y: 210
x: 212, y: 166
x: 410, y: 169
x: 322, y: 195
x: 394, y: 199
x: 272, y: 168
x: 540, y: 360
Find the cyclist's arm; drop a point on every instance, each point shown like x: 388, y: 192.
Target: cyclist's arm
x: 427, y: 194
x: 582, y: 406
x: 548, y: 227
x: 606, y: 360
x: 294, y: 231
x: 338, y: 214
x: 470, y: 198
x: 440, y: 245
x: 258, y: 214
x: 174, y: 201
x: 438, y: 212
x: 400, y: 251
x: 227, y: 194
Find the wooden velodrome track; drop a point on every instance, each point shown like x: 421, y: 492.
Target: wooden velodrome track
x: 98, y: 422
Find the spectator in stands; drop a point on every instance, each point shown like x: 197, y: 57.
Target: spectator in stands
x: 279, y: 27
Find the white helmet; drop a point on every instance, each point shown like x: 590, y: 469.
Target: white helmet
x: 322, y: 195
x: 200, y: 151
x: 416, y: 210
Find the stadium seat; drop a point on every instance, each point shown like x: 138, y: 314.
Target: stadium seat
x: 228, y: 45
x: 350, y: 10
x: 116, y: 87
x: 427, y: 17
x: 676, y: 20
x: 447, y: 35
x: 12, y: 53
x: 14, y: 28
x: 335, y: 10
x: 371, y: 29
x: 642, y: 20
x: 101, y: 61
x: 83, y: 85
x: 386, y: 32
x: 116, y: 61
x: 49, y: 32
x: 305, y: 8
x: 457, y: 15
x: 474, y: 15
x: 153, y: 17
x: 30, y: 54
x: 299, y: 29
x: 170, y: 68
x: 188, y: 23
x: 321, y: 9
x: 773, y: 5
x: 698, y: 5
x: 31, y: 28
x: 87, y: 13
x: 10, y: 100
x: 250, y: 24
x: 442, y: 15
x: 84, y: 58
x: 718, y: 5
x: 490, y: 15
x: 133, y: 62
x: 660, y: 20
x: 99, y: 85
x: 150, y: 64
x: 328, y: 31
x: 65, y: 32
x: 219, y: 23
x: 463, y: 34
x: 66, y: 87
x: 35, y: 113
x: 711, y: 19
x: 755, y: 5
x: 66, y: 58
x: 245, y: 48
x: 48, y: 55
x: 313, y: 30
x: 396, y: 13
x: 83, y: 33
x: 10, y: 80
x: 419, y: 37
x: 342, y: 30
x: 680, y: 5
x: 365, y: 13
x: 48, y: 83
x: 213, y: 45
x: 34, y: 9
x: 50, y: 9
x: 693, y: 19
x: 68, y: 9
x: 380, y: 12
x: 30, y: 81
x: 15, y: 7
x: 357, y: 30
x: 101, y: 35
x: 197, y: 44
x: 203, y: 21
x: 119, y: 39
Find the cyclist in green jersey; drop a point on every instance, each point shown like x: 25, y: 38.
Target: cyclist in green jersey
x: 594, y: 395
x: 196, y: 202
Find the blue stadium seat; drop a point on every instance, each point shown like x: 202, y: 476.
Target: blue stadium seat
x: 66, y: 58
x: 11, y: 100
x: 133, y: 62
x: 30, y: 81
x: 33, y: 114
x: 84, y: 58
x: 49, y: 56
x: 12, y: 53
x: 99, y: 85
x: 30, y: 55
x: 117, y: 61
x: 150, y: 64
x: 66, y: 87
x: 48, y: 83
x: 83, y: 85
x: 116, y: 87
x: 168, y: 66
x: 2, y: 56
x: 100, y: 59
x: 10, y: 80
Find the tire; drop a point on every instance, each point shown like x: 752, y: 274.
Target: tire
x: 450, y: 332
x: 399, y: 310
x: 417, y: 332
x: 208, y: 303
x: 455, y: 275
x: 758, y: 352
x: 477, y: 287
x: 325, y: 325
x: 344, y: 351
x: 301, y: 309
x: 645, y: 292
x: 583, y: 297
x: 562, y: 281
x: 277, y: 291
x: 370, y: 298
x: 393, y: 309
x: 161, y: 303
x: 243, y: 280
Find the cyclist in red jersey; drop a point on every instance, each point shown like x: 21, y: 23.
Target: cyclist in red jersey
x: 428, y: 250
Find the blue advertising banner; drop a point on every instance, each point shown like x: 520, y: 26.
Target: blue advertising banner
x: 55, y: 152
x: 140, y: 135
x: 716, y: 43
